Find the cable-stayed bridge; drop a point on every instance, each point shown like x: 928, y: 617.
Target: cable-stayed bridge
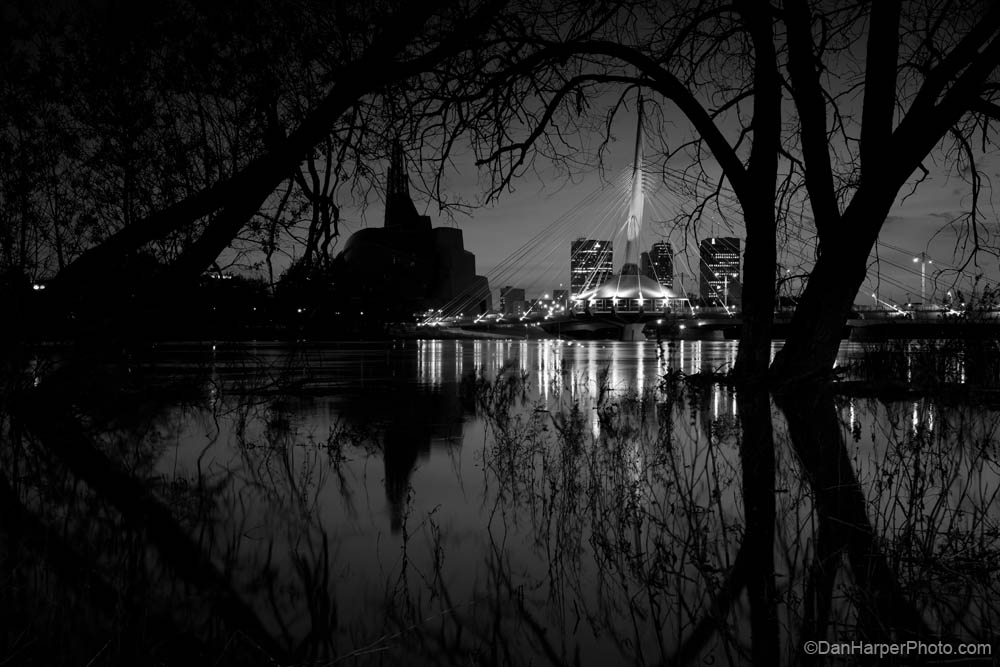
x: 903, y: 284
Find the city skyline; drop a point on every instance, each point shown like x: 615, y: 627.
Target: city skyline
x: 914, y: 225
x: 500, y: 333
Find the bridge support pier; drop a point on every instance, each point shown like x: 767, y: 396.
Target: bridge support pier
x: 632, y: 332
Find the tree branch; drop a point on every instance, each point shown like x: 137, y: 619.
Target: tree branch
x: 810, y: 102
x: 669, y: 86
x: 240, y: 195
x: 879, y: 103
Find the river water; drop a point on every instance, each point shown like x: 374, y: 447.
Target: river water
x: 526, y: 502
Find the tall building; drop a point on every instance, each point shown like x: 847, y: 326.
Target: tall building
x: 720, y: 270
x: 512, y: 300
x: 590, y: 264
x: 646, y: 265
x: 661, y: 263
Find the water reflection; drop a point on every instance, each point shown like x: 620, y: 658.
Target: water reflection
x: 633, y: 366
x: 485, y: 502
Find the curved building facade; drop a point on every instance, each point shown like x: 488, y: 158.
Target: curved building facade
x: 627, y: 292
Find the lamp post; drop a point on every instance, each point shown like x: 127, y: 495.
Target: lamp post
x: 924, y: 261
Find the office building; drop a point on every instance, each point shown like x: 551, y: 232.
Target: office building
x: 645, y: 265
x: 590, y: 264
x: 661, y: 263
x: 512, y: 301
x: 720, y: 271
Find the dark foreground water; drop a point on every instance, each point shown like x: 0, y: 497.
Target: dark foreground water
x: 490, y: 502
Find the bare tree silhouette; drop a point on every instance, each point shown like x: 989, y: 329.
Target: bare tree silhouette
x: 792, y: 105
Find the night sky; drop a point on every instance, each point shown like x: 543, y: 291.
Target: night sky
x: 918, y: 223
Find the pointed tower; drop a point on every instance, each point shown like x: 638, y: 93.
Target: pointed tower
x: 407, y: 266
x: 629, y: 291
x: 398, y: 183
x: 633, y: 224
x: 400, y: 213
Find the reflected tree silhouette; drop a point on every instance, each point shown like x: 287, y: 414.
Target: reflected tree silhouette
x: 100, y: 495
x: 842, y: 582
x: 883, y: 609
x: 757, y: 459
x: 648, y: 528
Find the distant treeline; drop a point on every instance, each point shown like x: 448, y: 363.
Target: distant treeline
x: 220, y: 306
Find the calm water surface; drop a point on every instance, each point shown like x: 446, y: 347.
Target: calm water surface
x: 527, y: 502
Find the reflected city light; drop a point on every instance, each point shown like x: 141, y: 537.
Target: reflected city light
x: 640, y: 375
x: 429, y: 361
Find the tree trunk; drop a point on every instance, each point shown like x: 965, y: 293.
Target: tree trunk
x: 760, y: 258
x: 757, y: 200
x: 814, y: 338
